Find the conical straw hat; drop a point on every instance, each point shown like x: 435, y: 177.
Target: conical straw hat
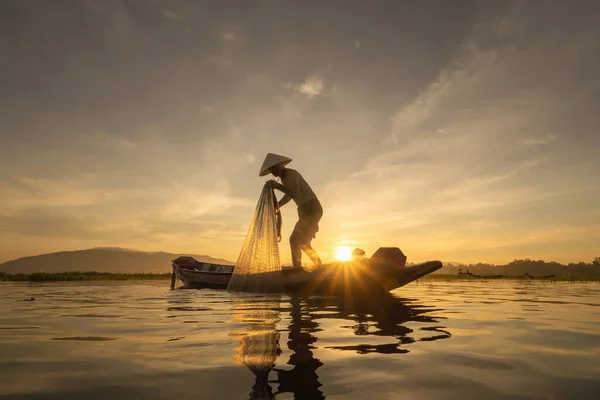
x: 271, y: 160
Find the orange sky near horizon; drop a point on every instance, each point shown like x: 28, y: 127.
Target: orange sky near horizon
x: 465, y: 133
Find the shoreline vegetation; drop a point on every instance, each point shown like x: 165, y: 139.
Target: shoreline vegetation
x: 475, y: 278
x: 81, y: 276
x: 108, y: 276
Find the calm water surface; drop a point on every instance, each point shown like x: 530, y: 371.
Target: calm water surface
x: 434, y: 340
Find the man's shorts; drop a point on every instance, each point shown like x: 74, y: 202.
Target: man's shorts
x: 309, y: 215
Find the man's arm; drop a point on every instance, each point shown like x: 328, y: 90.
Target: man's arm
x: 284, y: 200
x: 287, y: 196
x: 280, y: 187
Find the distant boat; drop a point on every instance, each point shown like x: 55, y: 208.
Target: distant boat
x: 472, y: 275
x: 385, y: 270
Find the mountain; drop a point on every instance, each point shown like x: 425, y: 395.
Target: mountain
x: 119, y: 260
x: 115, y: 260
x: 521, y: 267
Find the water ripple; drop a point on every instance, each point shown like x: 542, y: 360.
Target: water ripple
x: 492, y: 340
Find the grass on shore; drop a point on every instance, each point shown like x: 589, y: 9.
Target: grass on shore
x: 108, y: 276
x: 556, y: 278
x: 80, y: 276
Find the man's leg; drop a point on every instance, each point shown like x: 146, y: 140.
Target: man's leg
x: 311, y: 253
x: 296, y: 240
x: 312, y: 227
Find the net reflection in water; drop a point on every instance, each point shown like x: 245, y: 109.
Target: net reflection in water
x: 258, y: 345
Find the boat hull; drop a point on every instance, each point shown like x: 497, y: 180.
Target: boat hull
x: 205, y: 279
x: 359, y: 277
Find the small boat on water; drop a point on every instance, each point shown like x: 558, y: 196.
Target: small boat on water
x: 385, y: 270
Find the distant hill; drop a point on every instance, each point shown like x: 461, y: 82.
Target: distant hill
x: 526, y: 266
x: 119, y: 260
x: 114, y: 260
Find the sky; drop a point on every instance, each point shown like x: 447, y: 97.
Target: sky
x: 464, y: 131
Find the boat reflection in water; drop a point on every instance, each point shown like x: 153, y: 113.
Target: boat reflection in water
x: 380, y: 314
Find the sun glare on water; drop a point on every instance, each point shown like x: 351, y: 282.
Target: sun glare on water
x: 344, y: 253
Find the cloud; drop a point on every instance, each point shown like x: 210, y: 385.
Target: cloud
x: 110, y: 142
x: 230, y: 44
x: 147, y: 127
x: 228, y: 36
x: 190, y: 203
x: 93, y: 226
x: 90, y: 207
x: 537, y: 141
x: 170, y: 14
x: 313, y: 86
x: 178, y: 216
x: 43, y: 222
x: 488, y: 135
x: 249, y: 157
x: 23, y: 192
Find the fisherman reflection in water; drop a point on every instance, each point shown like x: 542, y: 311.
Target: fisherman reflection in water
x: 310, y: 211
x: 302, y: 380
x: 393, y: 323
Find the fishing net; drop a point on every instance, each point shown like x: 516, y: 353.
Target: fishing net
x: 257, y: 268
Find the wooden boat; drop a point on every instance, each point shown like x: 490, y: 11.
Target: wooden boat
x: 194, y: 273
x: 385, y: 270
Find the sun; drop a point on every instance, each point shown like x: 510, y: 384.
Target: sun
x: 343, y: 253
